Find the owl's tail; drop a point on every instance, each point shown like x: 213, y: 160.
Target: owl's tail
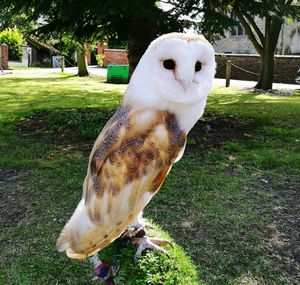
x: 81, y: 237
x: 75, y: 231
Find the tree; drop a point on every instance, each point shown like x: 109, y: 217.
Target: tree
x: 136, y: 21
x: 14, y: 39
x: 9, y: 19
x: 42, y: 14
x: 215, y: 20
x: 68, y: 46
x: 81, y: 61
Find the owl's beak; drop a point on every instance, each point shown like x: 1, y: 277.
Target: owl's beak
x: 184, y: 83
x: 184, y: 76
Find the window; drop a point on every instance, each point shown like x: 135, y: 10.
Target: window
x: 233, y: 31
x: 236, y: 30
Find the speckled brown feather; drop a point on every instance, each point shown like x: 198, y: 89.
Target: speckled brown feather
x: 128, y: 164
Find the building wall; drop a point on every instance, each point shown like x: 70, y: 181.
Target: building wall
x: 291, y: 38
x: 101, y: 47
x: 115, y: 56
x: 235, y: 45
x: 24, y: 62
x: 286, y: 67
x: 288, y: 41
x: 34, y: 56
x: 88, y: 57
x: 4, y: 56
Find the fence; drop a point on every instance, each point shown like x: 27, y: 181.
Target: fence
x: 286, y: 67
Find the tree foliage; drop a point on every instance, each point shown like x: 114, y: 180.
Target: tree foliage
x: 135, y: 21
x: 14, y: 39
x: 10, y: 19
x: 213, y: 19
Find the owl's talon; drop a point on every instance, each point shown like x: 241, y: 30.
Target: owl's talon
x: 151, y: 243
x: 148, y: 226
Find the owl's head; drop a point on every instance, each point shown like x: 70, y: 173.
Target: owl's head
x: 175, y: 69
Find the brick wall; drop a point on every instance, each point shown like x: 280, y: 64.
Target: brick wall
x: 4, y: 56
x: 115, y: 56
x: 100, y: 48
x: 285, y: 67
x: 88, y: 57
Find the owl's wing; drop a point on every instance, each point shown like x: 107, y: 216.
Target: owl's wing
x: 128, y: 164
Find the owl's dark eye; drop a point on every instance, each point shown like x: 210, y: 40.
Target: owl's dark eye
x: 169, y: 64
x: 198, y: 66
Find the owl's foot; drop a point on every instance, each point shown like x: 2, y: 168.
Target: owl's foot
x: 139, y: 235
x: 151, y: 243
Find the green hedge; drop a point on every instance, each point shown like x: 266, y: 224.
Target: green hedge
x: 14, y: 39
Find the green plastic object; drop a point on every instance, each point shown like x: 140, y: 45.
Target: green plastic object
x: 117, y: 73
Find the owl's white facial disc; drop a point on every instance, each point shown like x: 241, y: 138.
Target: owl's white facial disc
x: 183, y: 71
x: 177, y: 68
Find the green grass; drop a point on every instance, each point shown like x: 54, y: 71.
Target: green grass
x: 230, y: 205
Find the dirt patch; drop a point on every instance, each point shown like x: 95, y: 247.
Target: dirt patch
x: 78, y: 128
x: 212, y: 131
x: 7, y: 174
x: 280, y: 207
x: 13, y: 209
x: 33, y: 126
x: 67, y: 128
x: 277, y: 92
x: 283, y: 233
x: 16, y: 207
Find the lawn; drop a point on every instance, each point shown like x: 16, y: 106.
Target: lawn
x: 231, y: 205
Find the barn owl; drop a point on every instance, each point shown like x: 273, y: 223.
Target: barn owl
x: 136, y: 149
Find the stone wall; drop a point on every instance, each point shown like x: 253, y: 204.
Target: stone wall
x: 285, y: 67
x: 115, y: 56
x: 4, y: 56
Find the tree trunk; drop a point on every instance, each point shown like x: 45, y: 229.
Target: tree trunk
x: 265, y: 44
x: 267, y: 55
x: 268, y: 76
x: 141, y: 33
x: 82, y: 63
x: 267, y: 65
x: 261, y: 72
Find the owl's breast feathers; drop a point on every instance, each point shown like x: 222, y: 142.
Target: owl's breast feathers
x: 128, y: 164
